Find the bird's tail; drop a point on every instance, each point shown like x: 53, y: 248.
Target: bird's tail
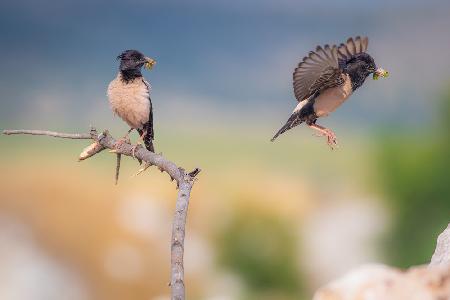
x: 148, y: 141
x: 293, y: 121
x: 147, y: 136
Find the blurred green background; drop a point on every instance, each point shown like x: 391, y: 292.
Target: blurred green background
x: 266, y: 220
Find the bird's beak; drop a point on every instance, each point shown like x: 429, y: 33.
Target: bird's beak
x: 380, y: 72
x: 149, y: 63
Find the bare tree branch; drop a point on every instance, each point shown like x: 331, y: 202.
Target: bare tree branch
x: 79, y: 136
x: 91, y: 150
x: 178, y: 233
x: 118, y: 158
x: 185, y: 182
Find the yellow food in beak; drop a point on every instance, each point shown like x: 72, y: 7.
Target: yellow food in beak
x: 149, y: 63
x: 380, y: 72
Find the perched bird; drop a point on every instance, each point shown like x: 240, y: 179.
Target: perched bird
x: 325, y: 78
x: 129, y: 95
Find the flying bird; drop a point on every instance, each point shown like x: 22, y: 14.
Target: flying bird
x: 325, y: 78
x: 129, y: 95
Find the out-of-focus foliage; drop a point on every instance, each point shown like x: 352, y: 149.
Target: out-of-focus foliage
x: 247, y: 209
x: 261, y: 248
x: 415, y: 172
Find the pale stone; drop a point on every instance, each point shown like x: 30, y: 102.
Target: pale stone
x: 374, y: 282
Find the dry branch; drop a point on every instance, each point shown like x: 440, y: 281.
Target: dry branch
x: 90, y: 150
x: 79, y: 136
x: 184, y: 181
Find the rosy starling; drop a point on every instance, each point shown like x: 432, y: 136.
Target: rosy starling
x: 129, y: 95
x: 325, y: 78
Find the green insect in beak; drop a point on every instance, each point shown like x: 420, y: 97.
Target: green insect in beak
x: 380, y: 72
x: 149, y: 63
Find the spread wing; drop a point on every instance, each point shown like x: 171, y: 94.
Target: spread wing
x: 315, y: 71
x: 351, y: 48
x: 330, y: 77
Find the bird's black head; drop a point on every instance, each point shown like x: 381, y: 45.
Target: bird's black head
x: 359, y: 67
x: 131, y: 62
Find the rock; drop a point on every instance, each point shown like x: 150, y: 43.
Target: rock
x: 375, y: 282
x: 441, y: 255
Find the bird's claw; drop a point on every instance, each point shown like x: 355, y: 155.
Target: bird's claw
x: 331, y: 139
x: 330, y: 136
x: 123, y: 140
x: 120, y: 142
x: 134, y: 149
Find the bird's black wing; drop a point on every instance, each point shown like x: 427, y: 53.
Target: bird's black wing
x: 352, y: 47
x: 148, y: 127
x: 314, y: 71
x: 330, y: 77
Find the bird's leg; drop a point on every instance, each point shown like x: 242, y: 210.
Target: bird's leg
x: 121, y: 141
x: 139, y: 143
x: 322, y: 131
x: 141, y: 137
x: 125, y: 138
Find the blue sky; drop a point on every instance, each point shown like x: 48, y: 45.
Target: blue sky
x: 229, y: 60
